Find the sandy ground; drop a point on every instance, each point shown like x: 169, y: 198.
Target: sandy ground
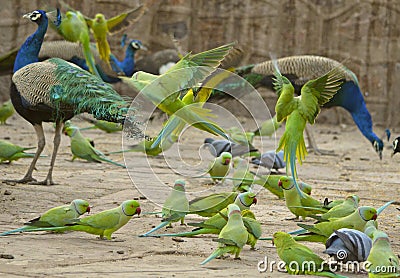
x: 354, y: 169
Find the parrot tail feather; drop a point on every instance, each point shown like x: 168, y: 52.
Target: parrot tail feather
x: 219, y: 252
x: 161, y: 225
x: 22, y: 229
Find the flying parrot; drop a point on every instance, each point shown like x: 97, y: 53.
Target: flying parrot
x: 58, y: 216
x: 299, y: 110
x: 6, y: 111
x: 300, y: 259
x: 175, y: 207
x: 232, y: 237
x: 82, y: 148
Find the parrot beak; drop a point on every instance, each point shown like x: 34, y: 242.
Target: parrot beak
x: 227, y: 161
x: 138, y: 211
x: 255, y: 201
x: 273, y: 243
x: 374, y: 217
x: 280, y: 183
x: 88, y: 209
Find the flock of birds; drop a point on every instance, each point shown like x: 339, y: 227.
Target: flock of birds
x: 55, y: 81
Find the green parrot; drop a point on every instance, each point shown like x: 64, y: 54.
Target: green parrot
x: 175, y: 207
x: 101, y: 26
x: 303, y: 207
x: 357, y: 220
x: 10, y: 152
x: 104, y: 223
x: 210, y: 205
x: 268, y: 127
x: 232, y: 237
x: 82, y: 148
x: 164, y: 90
x: 220, y: 167
x: 300, y: 259
x: 271, y: 182
x: 214, y: 225
x: 242, y: 178
x: 58, y: 216
x: 6, y: 111
x: 299, y: 110
x: 382, y: 262
x: 73, y: 28
x: 348, y: 206
x: 240, y: 136
x: 108, y: 127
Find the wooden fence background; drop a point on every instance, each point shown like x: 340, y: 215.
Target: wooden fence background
x: 363, y: 33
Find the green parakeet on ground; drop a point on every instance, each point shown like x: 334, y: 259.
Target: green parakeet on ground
x: 232, y: 237
x: 104, y: 223
x: 300, y: 259
x: 349, y: 205
x: 164, y: 90
x: 175, y: 207
x: 6, y: 111
x: 81, y: 147
x: 382, y: 262
x: 58, y: 216
x: 10, y: 152
x: 220, y: 167
x: 299, y: 110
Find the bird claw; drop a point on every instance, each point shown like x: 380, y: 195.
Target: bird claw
x: 24, y: 180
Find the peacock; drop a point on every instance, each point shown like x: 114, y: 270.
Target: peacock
x: 73, y: 52
x: 55, y: 90
x: 300, y: 69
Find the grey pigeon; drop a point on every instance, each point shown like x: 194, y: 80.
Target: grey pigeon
x: 348, y: 245
x: 270, y: 160
x: 216, y: 147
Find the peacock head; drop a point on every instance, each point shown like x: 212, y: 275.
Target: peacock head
x: 36, y: 16
x: 378, y: 145
x: 136, y: 45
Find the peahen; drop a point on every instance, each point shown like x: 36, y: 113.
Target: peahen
x: 300, y: 69
x: 55, y: 91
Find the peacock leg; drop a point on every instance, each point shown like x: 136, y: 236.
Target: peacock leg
x: 312, y: 145
x: 57, y: 140
x: 41, y: 143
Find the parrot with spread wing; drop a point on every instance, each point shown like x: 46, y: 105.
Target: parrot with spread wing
x: 58, y: 216
x: 175, y: 207
x: 300, y: 259
x: 232, y: 237
x: 164, y: 90
x: 299, y: 110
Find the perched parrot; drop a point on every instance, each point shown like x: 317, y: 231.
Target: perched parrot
x: 232, y: 237
x: 82, y: 148
x: 382, y: 261
x: 268, y: 127
x: 210, y: 205
x: 300, y: 259
x: 242, y: 178
x: 346, y: 245
x: 58, y: 216
x: 220, y: 167
x: 214, y: 225
x: 175, y: 207
x: 303, y: 207
x: 10, y: 152
x: 216, y: 147
x: 73, y: 28
x: 104, y: 223
x: 271, y: 182
x: 164, y: 90
x: 6, y: 111
x: 299, y: 110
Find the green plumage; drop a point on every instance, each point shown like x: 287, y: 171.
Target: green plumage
x: 6, y: 111
x: 10, y: 152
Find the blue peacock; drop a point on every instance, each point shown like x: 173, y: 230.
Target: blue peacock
x: 300, y: 69
x: 55, y: 90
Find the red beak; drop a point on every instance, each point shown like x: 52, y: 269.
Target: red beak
x: 227, y: 161
x: 374, y: 217
x: 88, y: 209
x: 279, y: 183
x: 138, y: 211
x: 255, y: 200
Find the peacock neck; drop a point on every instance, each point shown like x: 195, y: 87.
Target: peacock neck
x: 128, y: 64
x: 29, y: 51
x: 363, y: 120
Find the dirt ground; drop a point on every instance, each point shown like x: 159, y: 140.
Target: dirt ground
x: 355, y: 169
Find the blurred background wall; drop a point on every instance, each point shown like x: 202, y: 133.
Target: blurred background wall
x: 364, y: 34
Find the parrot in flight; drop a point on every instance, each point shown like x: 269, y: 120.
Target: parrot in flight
x: 299, y: 110
x: 58, y: 216
x: 232, y: 237
x: 164, y: 90
x: 175, y: 207
x: 300, y: 259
